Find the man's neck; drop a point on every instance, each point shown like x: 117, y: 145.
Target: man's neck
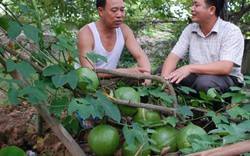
x: 101, y: 26
x: 207, y: 26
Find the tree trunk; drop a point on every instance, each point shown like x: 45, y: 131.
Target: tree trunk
x: 246, y: 60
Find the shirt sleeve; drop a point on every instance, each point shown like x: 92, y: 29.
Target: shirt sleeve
x: 181, y: 48
x: 233, y: 46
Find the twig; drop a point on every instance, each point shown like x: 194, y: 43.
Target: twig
x: 20, y: 56
x: 164, y: 110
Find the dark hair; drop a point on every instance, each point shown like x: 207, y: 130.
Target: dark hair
x: 100, y: 3
x: 219, y: 4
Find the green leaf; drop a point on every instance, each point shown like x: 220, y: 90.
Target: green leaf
x: 57, y: 105
x: 12, y: 81
x: 72, y: 79
x: 25, y: 69
x: 158, y: 93
x: 217, y: 119
x: 31, y: 32
x: 24, y: 9
x: 187, y: 90
x: 245, y: 125
x: 185, y: 111
x: 1, y: 50
x: 13, y: 95
x: 153, y: 148
x: 14, y: 30
x: 11, y: 66
x: 57, y: 47
x: 247, y: 79
x: 4, y: 21
x: 212, y: 92
x: 85, y: 107
x: 236, y: 97
x: 53, y: 70
x: 110, y: 108
x: 34, y: 94
x: 234, y: 89
x: 135, y: 133
x: 171, y: 120
x: 94, y: 57
x: 143, y: 91
x: 236, y: 112
x: 231, y: 133
x: 40, y: 84
x: 246, y: 107
x: 129, y: 137
x: 71, y: 124
x: 59, y: 80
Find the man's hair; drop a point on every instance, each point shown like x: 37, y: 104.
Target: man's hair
x: 100, y: 3
x: 219, y: 4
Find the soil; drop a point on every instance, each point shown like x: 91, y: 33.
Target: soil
x: 18, y: 127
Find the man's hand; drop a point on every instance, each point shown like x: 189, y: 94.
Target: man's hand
x: 178, y: 75
x: 136, y: 70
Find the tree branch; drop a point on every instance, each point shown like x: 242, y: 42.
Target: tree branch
x: 144, y: 76
x: 233, y: 149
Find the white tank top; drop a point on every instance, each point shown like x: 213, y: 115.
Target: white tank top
x: 113, y: 56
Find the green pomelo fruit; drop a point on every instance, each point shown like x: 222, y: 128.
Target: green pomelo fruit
x: 128, y: 94
x: 87, y: 79
x: 145, y: 116
x: 182, y: 141
x: 165, y: 136
x: 131, y: 151
x: 103, y: 140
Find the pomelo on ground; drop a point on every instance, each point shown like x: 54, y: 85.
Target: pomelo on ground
x: 87, y: 79
x: 165, y: 136
x: 182, y: 141
x: 145, y: 116
x: 128, y: 94
x: 104, y: 140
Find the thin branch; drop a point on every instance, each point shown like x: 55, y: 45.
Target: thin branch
x: 233, y: 149
x: 20, y: 56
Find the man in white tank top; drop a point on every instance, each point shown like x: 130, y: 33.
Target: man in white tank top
x: 107, y: 37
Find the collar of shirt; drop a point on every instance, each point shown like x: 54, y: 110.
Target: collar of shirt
x: 196, y: 28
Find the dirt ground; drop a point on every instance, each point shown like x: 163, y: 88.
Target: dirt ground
x: 18, y: 127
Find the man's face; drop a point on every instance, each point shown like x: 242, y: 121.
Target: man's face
x: 113, y: 13
x: 200, y: 11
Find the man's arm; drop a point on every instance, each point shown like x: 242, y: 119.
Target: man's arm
x: 214, y: 68
x: 85, y: 45
x: 169, y: 65
x: 136, y: 51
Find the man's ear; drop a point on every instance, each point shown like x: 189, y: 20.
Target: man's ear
x: 212, y: 10
x: 100, y: 10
